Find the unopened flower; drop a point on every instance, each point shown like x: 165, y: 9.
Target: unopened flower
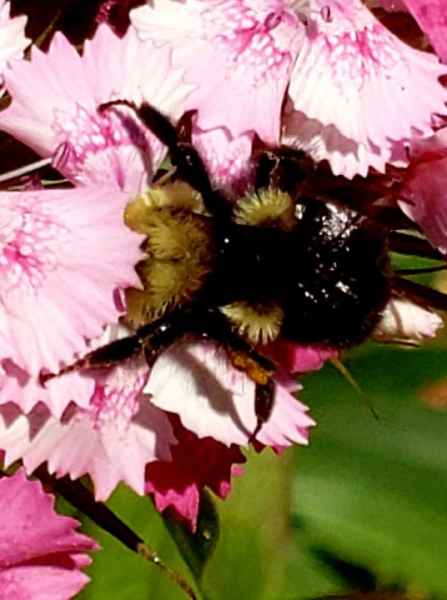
x: 41, y: 554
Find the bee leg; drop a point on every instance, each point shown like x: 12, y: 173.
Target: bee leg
x: 184, y: 157
x: 214, y: 326
x: 106, y: 356
x: 419, y: 293
x: 404, y: 243
x: 151, y: 339
x: 264, y: 402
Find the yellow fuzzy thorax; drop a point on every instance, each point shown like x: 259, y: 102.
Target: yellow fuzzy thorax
x: 179, y: 248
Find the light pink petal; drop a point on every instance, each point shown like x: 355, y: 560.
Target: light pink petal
x: 228, y: 160
x: 403, y: 320
x: 63, y: 254
x: 196, y: 463
x: 347, y: 61
x: 25, y: 391
x: 431, y: 17
x: 42, y: 582
x: 40, y: 551
x: 212, y: 399
x: 55, y: 99
x: 238, y: 53
x: 12, y: 38
x: 112, y: 440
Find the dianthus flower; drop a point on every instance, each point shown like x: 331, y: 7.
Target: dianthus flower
x: 334, y: 59
x: 41, y: 554
x: 115, y: 424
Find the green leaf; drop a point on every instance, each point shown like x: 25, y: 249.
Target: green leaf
x: 197, y: 548
x: 116, y: 572
x: 374, y: 492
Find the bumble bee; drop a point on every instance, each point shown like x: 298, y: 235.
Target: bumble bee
x: 303, y: 257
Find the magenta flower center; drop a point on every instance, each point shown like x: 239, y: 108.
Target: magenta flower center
x: 28, y: 247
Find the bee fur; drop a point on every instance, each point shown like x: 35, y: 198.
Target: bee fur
x: 297, y: 258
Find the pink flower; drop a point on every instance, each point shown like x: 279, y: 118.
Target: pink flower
x: 238, y: 53
x: 347, y: 62
x: 41, y: 554
x: 12, y: 39
x: 196, y: 463
x: 220, y: 399
x: 63, y: 255
x: 55, y: 99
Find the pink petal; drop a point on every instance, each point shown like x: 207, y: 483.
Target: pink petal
x: 40, y: 551
x: 431, y: 17
x: 111, y: 440
x: 238, y: 53
x: 55, y: 98
x: 299, y: 359
x: 347, y: 61
x: 403, y: 320
x: 196, y: 463
x: 228, y: 160
x: 423, y: 193
x: 212, y: 399
x: 12, y: 38
x: 63, y: 255
x: 26, y: 392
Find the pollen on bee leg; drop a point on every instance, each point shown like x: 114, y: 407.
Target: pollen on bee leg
x: 253, y: 369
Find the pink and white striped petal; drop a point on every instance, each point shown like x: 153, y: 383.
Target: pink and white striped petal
x: 45, y: 559
x: 239, y: 54
x: 196, y: 463
x: 55, y: 98
x: 213, y: 399
x: 348, y: 63
x: 63, y: 256
x: 112, y: 440
x: 12, y: 38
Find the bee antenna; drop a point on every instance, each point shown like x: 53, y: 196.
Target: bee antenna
x: 346, y: 374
